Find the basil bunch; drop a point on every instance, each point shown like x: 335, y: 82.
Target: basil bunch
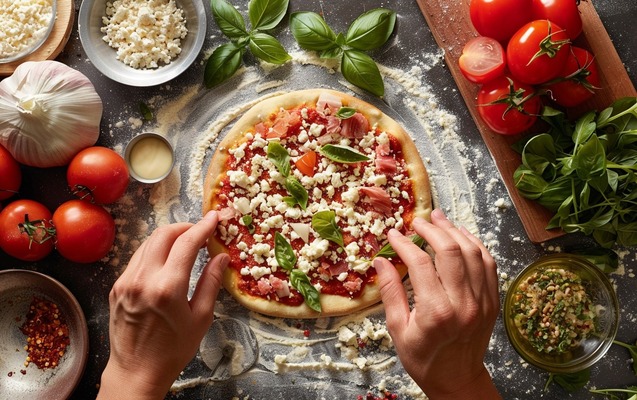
x: 584, y: 171
x: 226, y: 59
x: 368, y: 32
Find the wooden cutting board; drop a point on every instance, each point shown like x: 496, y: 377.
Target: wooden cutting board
x: 56, y: 41
x: 451, y: 26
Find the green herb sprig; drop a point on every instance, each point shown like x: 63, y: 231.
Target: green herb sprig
x: 226, y: 59
x: 388, y: 251
x: 633, y: 352
x: 281, y: 159
x: 618, y: 394
x: 367, y: 32
x: 569, y: 382
x: 586, y: 173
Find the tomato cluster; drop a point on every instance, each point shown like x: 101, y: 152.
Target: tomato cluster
x: 81, y: 230
x: 540, y: 60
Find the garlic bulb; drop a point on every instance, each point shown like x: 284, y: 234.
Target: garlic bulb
x: 48, y: 113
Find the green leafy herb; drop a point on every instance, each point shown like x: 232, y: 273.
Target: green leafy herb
x: 585, y: 172
x: 280, y: 157
x: 226, y: 59
x: 369, y: 31
x: 283, y: 252
x: 247, y: 221
x: 618, y: 394
x: 324, y: 223
x: 633, y: 352
x: 146, y: 112
x: 300, y: 281
x: 297, y: 191
x: 342, y: 154
x: 570, y: 382
x: 388, y: 251
x: 345, y: 112
x: 604, y: 259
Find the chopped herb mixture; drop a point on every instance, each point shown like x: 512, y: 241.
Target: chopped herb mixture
x: 553, y: 311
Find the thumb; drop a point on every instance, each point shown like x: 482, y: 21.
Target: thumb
x: 392, y: 293
x: 208, y: 286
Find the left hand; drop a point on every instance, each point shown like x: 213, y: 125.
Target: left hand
x: 154, y: 329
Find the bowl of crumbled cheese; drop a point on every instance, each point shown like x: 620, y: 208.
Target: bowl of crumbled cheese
x: 24, y: 27
x: 561, y: 313
x: 142, y: 42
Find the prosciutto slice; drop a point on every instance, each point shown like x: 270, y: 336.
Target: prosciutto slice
x: 356, y: 126
x: 328, y: 103
x: 378, y: 198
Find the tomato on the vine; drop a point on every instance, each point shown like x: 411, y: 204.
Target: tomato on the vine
x: 508, y: 107
x: 25, y: 230
x: 85, y: 232
x: 10, y: 174
x: 98, y: 174
x: 581, y: 79
x: 563, y: 12
x: 537, y: 52
x: 499, y: 19
x: 482, y: 59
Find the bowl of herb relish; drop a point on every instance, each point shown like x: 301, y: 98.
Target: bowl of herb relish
x: 561, y: 313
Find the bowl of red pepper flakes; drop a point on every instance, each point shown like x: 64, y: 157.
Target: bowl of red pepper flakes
x: 43, y: 337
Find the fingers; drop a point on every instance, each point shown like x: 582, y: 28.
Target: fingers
x: 186, y: 246
x: 208, y: 286
x: 392, y: 294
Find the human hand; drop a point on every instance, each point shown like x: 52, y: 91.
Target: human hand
x: 442, y: 340
x: 154, y: 329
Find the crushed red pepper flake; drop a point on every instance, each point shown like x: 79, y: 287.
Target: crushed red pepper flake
x: 47, y: 334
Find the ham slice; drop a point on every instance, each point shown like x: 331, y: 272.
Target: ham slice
x: 280, y: 286
x: 328, y: 103
x: 378, y: 197
x: 356, y: 126
x: 353, y: 286
x: 264, y: 286
x: 282, y: 123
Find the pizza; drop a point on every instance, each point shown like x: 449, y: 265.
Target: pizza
x: 307, y: 184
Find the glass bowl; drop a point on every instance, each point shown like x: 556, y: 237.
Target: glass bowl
x: 571, y: 357
x: 35, y: 42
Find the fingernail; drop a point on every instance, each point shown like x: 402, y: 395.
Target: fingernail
x: 394, y: 233
x: 438, y: 214
x: 210, y: 215
x: 225, y: 260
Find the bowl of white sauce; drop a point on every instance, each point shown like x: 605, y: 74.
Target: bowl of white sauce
x: 24, y: 27
x: 150, y: 157
x: 142, y: 42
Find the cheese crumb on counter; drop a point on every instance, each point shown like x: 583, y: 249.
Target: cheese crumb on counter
x: 146, y: 34
x: 22, y: 24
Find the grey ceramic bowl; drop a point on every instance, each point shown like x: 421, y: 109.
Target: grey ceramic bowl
x: 104, y: 57
x: 17, y: 290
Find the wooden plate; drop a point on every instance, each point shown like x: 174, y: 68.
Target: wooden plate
x: 55, y: 43
x: 451, y: 37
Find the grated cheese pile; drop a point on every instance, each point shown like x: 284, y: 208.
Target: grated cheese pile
x: 22, y: 24
x: 146, y: 34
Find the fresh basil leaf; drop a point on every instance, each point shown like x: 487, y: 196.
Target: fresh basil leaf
x: 633, y: 353
x: 570, y: 382
x: 584, y: 128
x: 335, y: 52
x: 283, y: 252
x: 279, y: 157
x: 311, y: 31
x: 268, y: 49
x: 371, y: 29
x: 146, y: 112
x: 222, y: 64
x: 247, y: 221
x: 324, y: 223
x: 345, y: 112
x: 297, y: 191
x: 228, y: 19
x: 360, y: 70
x: 604, y: 259
x: 266, y: 14
x: 342, y: 154
x: 530, y: 184
x: 290, y: 201
x: 590, y: 159
x: 388, y: 251
x: 300, y: 281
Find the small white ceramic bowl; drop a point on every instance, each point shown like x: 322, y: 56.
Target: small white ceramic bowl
x: 34, y: 44
x: 104, y: 57
x: 17, y: 290
x: 150, y: 157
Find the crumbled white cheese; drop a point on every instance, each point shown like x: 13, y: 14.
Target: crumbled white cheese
x: 22, y: 24
x: 146, y: 33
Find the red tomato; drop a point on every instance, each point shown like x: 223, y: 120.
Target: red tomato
x: 499, y: 19
x: 508, y: 107
x: 563, y: 12
x: 98, y: 174
x: 85, y: 231
x: 307, y: 163
x: 582, y: 78
x: 10, y: 174
x: 537, y: 52
x: 482, y: 59
x: 25, y: 230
